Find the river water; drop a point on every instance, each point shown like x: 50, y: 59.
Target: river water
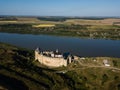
x: 76, y: 46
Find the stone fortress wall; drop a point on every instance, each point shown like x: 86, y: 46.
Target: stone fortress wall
x: 51, y: 61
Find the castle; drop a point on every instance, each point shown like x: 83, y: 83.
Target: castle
x: 53, y: 58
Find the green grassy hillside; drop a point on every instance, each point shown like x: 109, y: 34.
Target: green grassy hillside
x: 18, y: 71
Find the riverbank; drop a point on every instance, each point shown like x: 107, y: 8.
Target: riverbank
x: 76, y: 46
x: 95, y: 28
x: 89, y: 73
x: 87, y: 31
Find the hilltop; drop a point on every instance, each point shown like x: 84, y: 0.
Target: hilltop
x: 19, y: 71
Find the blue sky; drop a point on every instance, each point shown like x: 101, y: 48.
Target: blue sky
x: 60, y: 7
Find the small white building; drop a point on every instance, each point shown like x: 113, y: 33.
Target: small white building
x: 106, y: 63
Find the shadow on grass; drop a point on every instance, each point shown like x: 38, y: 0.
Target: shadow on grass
x: 23, y: 76
x: 12, y: 83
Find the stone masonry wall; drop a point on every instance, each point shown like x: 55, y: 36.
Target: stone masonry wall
x: 49, y: 61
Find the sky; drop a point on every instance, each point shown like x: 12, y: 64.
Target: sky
x: 60, y: 7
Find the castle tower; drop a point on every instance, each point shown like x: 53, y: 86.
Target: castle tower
x: 37, y: 51
x: 69, y: 59
x: 57, y: 51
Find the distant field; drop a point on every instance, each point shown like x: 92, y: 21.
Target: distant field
x: 93, y: 22
x: 78, y: 21
x: 107, y: 28
x: 44, y: 25
x: 2, y: 22
x: 25, y: 20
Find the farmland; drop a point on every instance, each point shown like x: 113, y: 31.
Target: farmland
x: 107, y: 28
x: 44, y: 25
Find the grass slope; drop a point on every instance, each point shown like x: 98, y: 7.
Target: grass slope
x: 18, y: 71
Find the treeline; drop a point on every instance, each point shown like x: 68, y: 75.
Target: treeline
x: 16, y: 28
x: 58, y: 19
x: 62, y: 19
x: 7, y: 18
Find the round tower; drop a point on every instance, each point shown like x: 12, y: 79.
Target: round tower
x: 37, y: 51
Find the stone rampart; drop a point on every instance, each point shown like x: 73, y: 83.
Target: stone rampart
x: 50, y: 61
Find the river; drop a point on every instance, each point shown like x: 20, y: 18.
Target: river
x: 77, y: 46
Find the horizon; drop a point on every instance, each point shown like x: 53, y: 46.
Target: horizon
x: 60, y: 16
x: 62, y: 8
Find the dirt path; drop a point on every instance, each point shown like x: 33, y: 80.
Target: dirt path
x: 84, y: 66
